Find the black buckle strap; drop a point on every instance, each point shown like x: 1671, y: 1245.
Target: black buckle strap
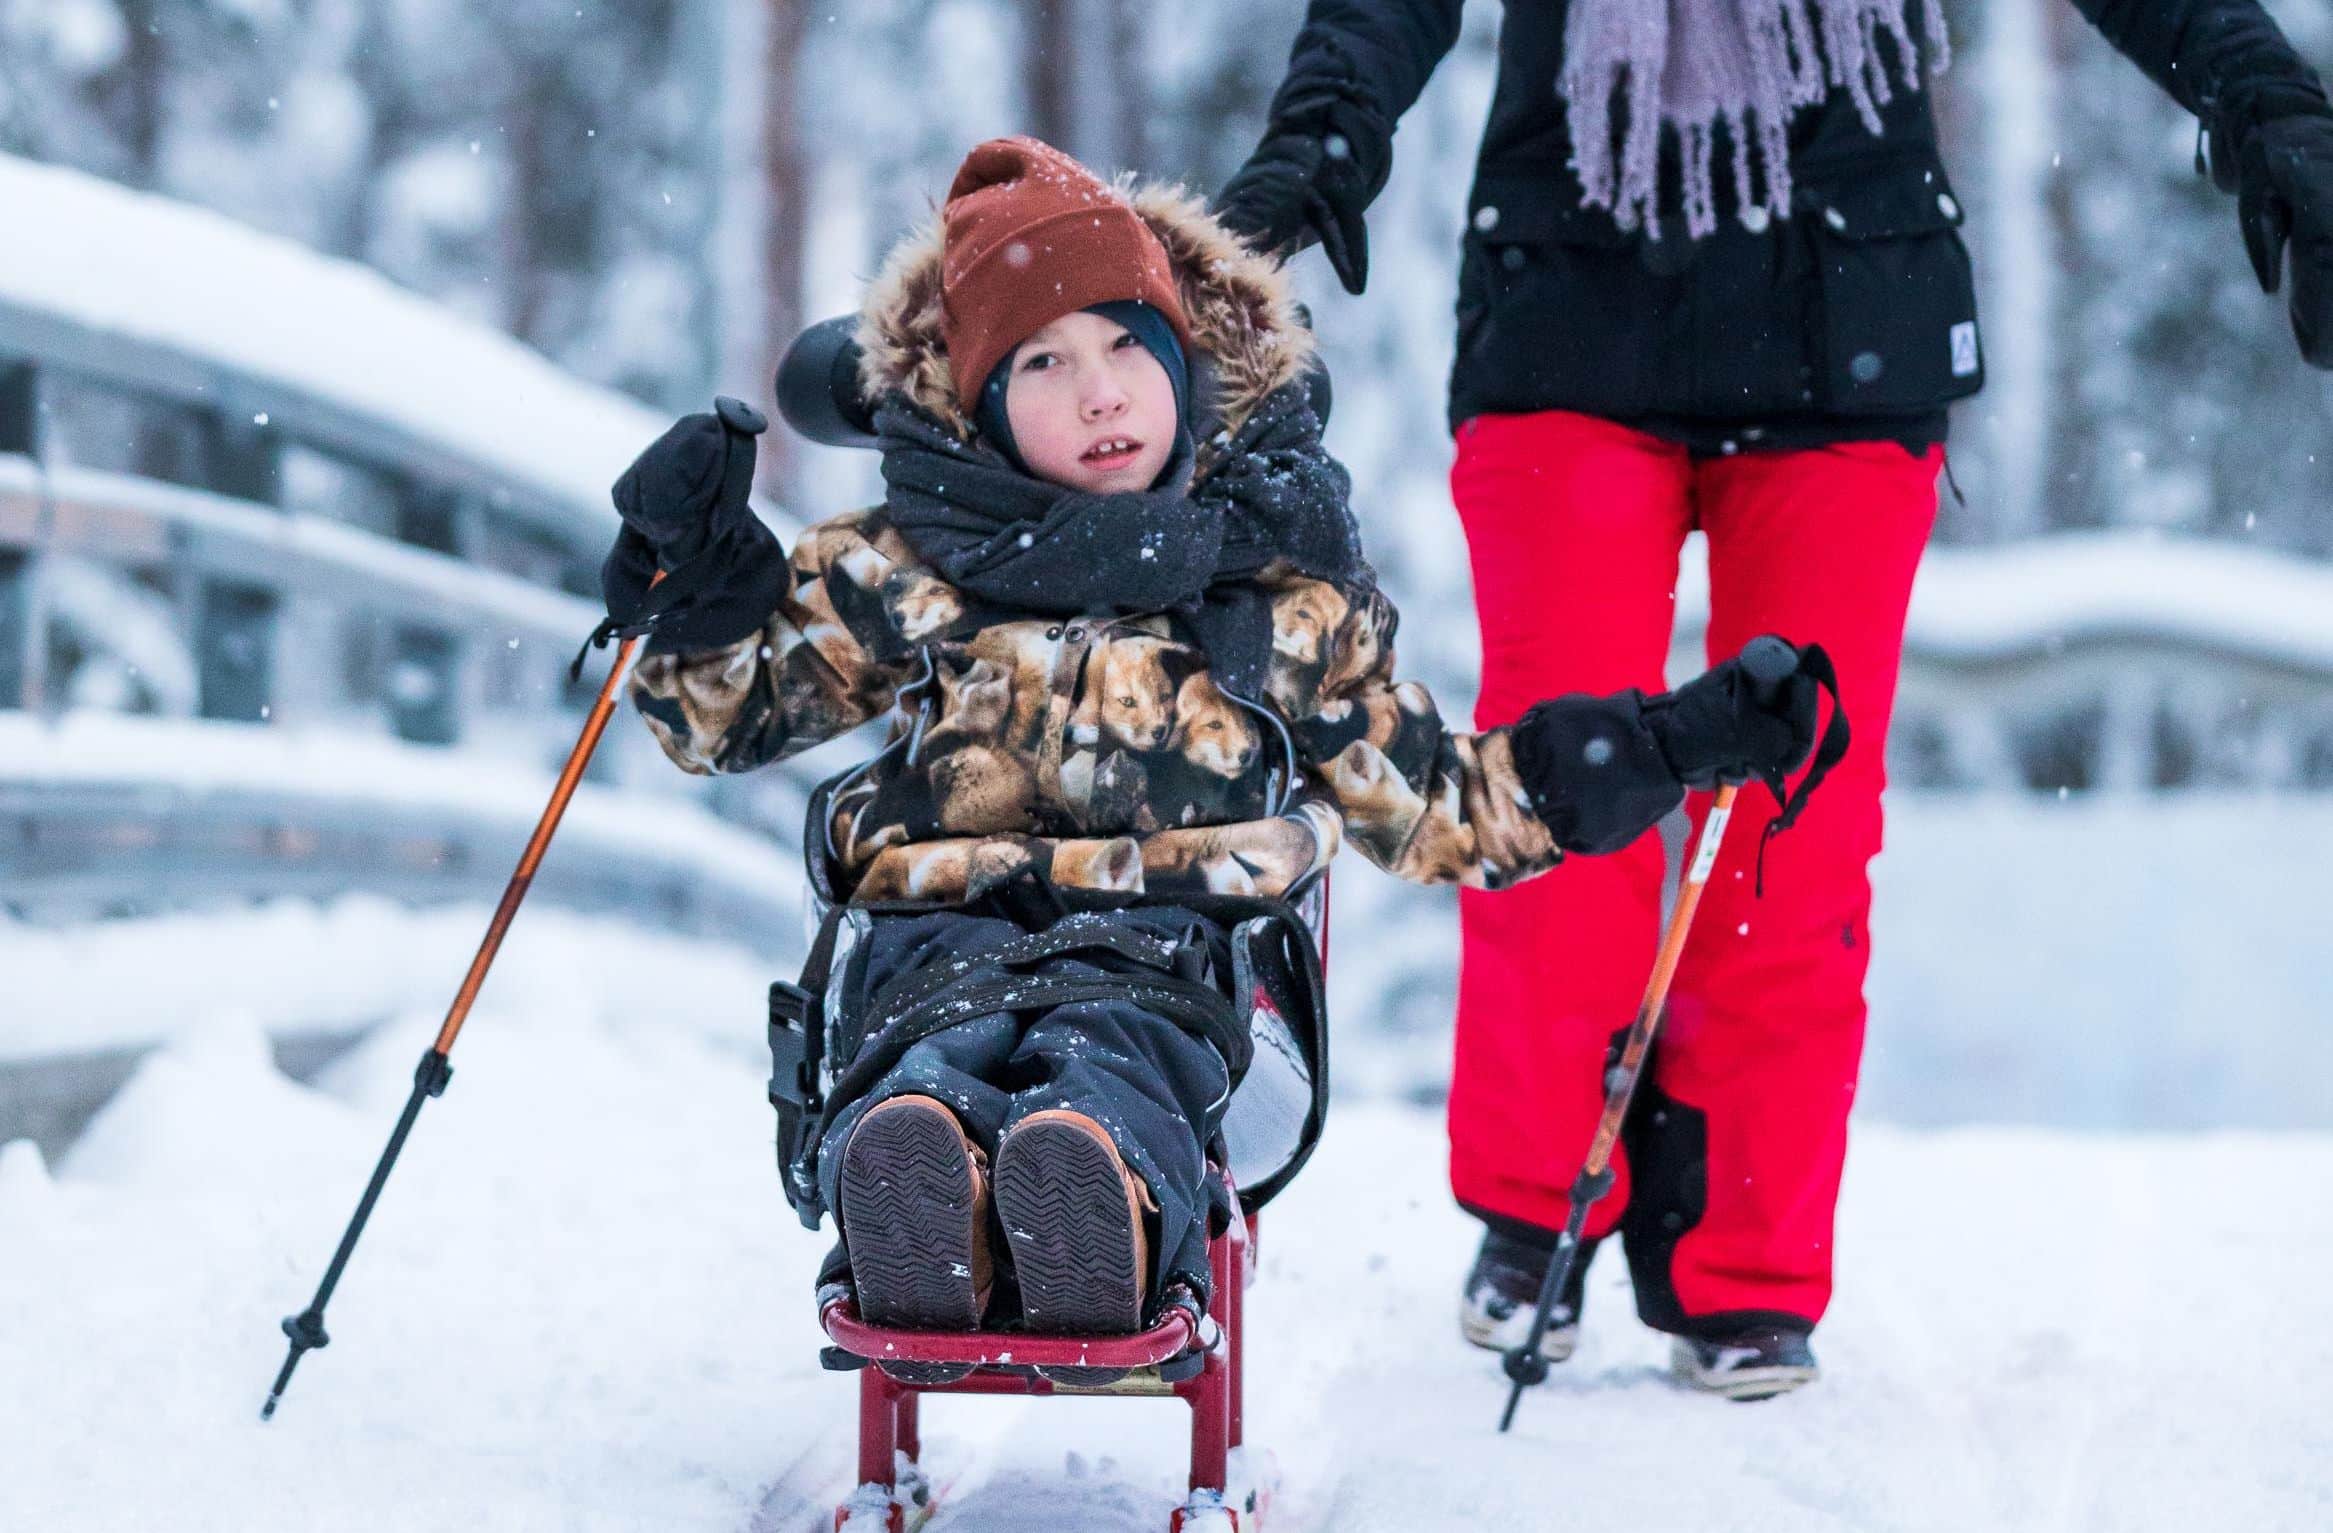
x: 797, y: 1041
x: 1070, y: 935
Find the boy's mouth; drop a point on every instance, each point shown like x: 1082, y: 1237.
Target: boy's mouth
x: 1111, y: 452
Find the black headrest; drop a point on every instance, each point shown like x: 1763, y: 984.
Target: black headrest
x: 818, y: 385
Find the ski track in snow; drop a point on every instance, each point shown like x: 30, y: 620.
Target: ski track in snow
x: 583, y: 1306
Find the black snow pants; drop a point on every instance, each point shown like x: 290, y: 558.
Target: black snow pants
x: 1156, y: 1085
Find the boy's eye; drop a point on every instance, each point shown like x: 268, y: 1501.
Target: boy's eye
x: 1125, y: 340
x: 1037, y: 361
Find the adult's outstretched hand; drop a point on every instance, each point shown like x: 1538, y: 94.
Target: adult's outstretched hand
x: 1307, y: 183
x: 2282, y: 175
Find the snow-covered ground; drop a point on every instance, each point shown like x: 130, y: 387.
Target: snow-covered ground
x: 583, y: 1306
x: 296, y: 967
x: 2096, y: 964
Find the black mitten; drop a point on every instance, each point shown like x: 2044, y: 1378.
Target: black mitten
x: 1595, y: 772
x: 1311, y: 179
x: 2283, y: 175
x: 691, y: 484
x: 686, y: 515
x: 1724, y: 727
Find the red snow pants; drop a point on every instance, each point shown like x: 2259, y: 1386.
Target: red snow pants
x: 1729, y: 1174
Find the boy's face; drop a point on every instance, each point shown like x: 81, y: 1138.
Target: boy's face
x: 1090, y: 407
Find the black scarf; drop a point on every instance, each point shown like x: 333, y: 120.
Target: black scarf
x: 1271, y: 493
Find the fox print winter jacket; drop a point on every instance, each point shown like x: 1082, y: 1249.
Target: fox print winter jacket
x: 1100, y: 751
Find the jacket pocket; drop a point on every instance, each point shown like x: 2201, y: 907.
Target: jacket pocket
x: 1896, y: 327
x: 1555, y: 308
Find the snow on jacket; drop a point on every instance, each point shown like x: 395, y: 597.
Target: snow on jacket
x: 1098, y: 750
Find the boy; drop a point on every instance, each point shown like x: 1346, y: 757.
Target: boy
x: 1117, y: 603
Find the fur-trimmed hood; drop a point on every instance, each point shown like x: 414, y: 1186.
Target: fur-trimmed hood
x: 1241, y: 305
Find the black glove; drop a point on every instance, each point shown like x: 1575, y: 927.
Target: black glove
x: 2281, y: 171
x: 690, y: 486
x: 685, y: 511
x: 1594, y: 770
x: 1730, y: 725
x: 1310, y: 180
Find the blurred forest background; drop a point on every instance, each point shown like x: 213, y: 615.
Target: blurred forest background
x: 658, y: 193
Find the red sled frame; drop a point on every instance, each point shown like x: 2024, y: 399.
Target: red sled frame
x: 1230, y: 1489
x: 892, y: 1492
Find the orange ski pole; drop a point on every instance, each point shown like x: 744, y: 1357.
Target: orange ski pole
x: 1769, y: 662
x: 306, y: 1329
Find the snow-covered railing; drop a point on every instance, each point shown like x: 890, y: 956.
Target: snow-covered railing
x: 269, y: 523
x: 157, y: 297
x: 245, y: 429
x: 100, y: 811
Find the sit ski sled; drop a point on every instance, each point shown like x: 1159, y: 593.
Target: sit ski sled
x: 1190, y: 1352
x: 1275, y: 1115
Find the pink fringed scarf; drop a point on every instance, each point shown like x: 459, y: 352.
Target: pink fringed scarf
x: 1749, y: 64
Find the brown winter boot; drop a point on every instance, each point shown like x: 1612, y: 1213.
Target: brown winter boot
x: 914, y: 1217
x: 1072, y: 1213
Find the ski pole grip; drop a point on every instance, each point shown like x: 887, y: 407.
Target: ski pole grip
x: 1768, y: 662
x: 740, y: 424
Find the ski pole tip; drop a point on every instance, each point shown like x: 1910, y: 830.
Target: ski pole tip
x: 306, y: 1330
x: 1524, y: 1366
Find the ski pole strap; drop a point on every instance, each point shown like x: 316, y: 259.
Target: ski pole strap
x: 663, y: 593
x: 598, y: 638
x: 666, y: 595
x: 1814, y: 663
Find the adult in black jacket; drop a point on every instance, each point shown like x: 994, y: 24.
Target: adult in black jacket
x: 1649, y: 343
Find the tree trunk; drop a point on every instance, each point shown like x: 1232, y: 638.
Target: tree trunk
x: 1084, y: 79
x: 141, y: 92
x: 786, y: 209
x: 1129, y: 85
x: 524, y: 277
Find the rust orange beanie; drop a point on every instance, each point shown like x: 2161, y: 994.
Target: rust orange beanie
x: 1028, y: 235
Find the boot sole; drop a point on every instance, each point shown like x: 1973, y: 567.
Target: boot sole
x: 1740, y: 1384
x: 908, y: 1220
x: 1062, y: 1198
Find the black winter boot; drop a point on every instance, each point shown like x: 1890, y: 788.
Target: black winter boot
x: 1503, y: 1289
x: 1755, y: 1363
